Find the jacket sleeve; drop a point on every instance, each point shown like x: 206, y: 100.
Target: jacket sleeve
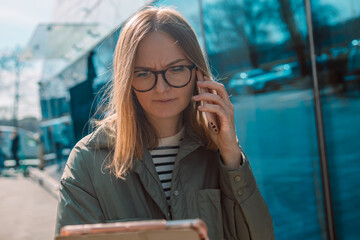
x: 78, y: 203
x: 245, y: 213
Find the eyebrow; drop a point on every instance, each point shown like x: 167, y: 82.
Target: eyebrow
x: 171, y: 63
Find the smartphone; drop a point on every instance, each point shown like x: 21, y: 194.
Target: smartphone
x: 210, y: 117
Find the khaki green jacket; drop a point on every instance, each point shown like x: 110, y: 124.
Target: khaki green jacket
x: 227, y: 200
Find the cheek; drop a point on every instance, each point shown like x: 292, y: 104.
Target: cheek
x: 143, y: 99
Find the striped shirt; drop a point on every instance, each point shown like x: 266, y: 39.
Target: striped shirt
x: 164, y: 158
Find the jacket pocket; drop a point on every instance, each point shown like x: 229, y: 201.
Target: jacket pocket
x: 209, y: 206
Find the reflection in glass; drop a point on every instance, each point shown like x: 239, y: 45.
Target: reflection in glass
x: 259, y: 49
x: 337, y: 34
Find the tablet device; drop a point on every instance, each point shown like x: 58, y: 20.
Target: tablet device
x: 190, y: 229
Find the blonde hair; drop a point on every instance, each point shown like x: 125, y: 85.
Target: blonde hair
x: 126, y: 123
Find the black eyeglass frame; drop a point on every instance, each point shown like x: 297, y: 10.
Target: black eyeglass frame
x: 162, y: 72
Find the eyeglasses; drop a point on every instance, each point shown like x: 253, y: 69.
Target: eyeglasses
x: 175, y: 76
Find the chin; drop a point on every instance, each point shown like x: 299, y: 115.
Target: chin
x: 167, y: 112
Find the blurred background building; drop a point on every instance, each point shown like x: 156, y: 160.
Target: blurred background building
x: 291, y: 66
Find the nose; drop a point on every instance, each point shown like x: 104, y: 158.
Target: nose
x: 161, y: 85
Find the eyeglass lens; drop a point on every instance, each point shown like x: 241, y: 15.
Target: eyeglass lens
x: 176, y: 76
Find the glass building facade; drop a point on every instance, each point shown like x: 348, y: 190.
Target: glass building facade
x: 292, y: 68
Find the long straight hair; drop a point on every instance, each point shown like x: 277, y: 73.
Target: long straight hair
x: 126, y: 123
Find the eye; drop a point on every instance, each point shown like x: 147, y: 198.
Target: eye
x: 177, y: 69
x: 142, y: 74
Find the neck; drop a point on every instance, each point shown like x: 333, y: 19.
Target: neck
x: 166, y: 127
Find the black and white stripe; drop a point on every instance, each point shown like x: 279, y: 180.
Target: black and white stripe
x: 164, y: 159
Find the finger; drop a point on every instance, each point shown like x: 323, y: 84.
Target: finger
x: 201, y: 78
x: 213, y: 85
x: 211, y: 98
x: 210, y: 90
x: 225, y: 118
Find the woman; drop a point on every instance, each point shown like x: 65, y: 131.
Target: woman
x: 155, y: 157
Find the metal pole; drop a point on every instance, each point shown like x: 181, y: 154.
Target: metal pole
x: 329, y: 216
x: 16, y: 99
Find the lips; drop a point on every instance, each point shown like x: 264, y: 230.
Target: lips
x: 165, y: 100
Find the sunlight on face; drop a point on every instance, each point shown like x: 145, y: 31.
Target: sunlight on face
x: 156, y: 52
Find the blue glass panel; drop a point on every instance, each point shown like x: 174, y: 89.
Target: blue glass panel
x: 44, y: 109
x: 259, y: 49
x: 103, y: 64
x: 337, y: 37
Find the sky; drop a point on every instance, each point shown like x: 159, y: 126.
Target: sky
x: 18, y: 20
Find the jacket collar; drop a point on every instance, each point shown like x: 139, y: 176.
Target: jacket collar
x: 101, y: 138
x: 190, y: 143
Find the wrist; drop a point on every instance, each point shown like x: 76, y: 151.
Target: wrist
x: 232, y: 158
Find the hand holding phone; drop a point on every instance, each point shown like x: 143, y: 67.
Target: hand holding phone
x: 210, y: 117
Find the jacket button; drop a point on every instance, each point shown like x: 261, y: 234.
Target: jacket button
x: 176, y: 193
x: 239, y: 192
x: 237, y: 178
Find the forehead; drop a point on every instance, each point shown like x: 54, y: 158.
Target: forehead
x: 157, y: 50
